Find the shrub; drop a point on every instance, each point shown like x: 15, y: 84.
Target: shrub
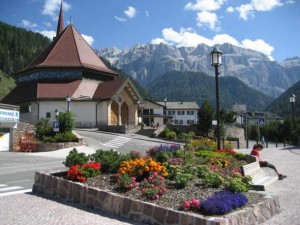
x: 182, y: 179
x: 237, y: 185
x: 171, y: 135
x: 75, y: 158
x: 48, y: 139
x: 67, y: 136
x: 203, y: 144
x: 154, y: 186
x: 43, y: 128
x: 125, y: 181
x: 81, y: 173
x: 110, y: 160
x: 134, y: 154
x: 223, y: 202
x: 67, y: 121
x: 213, y: 179
x: 203, y: 171
x: 162, y: 157
x: 169, y: 149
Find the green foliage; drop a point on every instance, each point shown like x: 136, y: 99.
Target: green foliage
x: 205, y: 118
x: 18, y: 47
x: 238, y: 185
x: 239, y: 156
x: 43, y: 128
x: 162, y: 157
x: 193, y: 86
x: 65, y: 137
x: 7, y: 83
x: 213, y: 179
x: 76, y: 158
x: 110, y: 160
x: 203, y: 171
x: 182, y: 179
x: 171, y: 135
x: 67, y: 121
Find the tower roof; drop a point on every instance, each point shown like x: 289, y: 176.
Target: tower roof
x: 68, y: 50
x: 60, y: 24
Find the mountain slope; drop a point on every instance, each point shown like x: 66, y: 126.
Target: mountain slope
x: 18, y: 47
x: 282, y: 106
x: 7, y: 83
x: 147, y: 62
x: 190, y: 86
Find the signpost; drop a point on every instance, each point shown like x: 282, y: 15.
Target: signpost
x: 56, y: 126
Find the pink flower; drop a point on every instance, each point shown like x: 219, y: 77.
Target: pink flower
x: 195, y: 204
x: 186, y: 205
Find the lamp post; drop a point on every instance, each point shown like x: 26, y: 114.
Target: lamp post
x: 165, y: 100
x: 68, y: 99
x: 56, y: 114
x: 292, y: 101
x: 216, y: 61
x: 138, y: 103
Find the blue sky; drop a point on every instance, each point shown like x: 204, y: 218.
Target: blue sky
x: 269, y: 26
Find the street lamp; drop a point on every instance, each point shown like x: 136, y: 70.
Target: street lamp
x: 68, y: 99
x: 216, y: 61
x: 292, y: 101
x: 138, y: 103
x: 165, y: 100
x: 56, y: 114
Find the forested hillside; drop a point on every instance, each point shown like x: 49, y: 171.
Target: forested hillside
x: 7, y: 83
x: 191, y: 86
x: 18, y: 47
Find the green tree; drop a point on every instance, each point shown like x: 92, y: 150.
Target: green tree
x: 67, y: 121
x: 205, y: 118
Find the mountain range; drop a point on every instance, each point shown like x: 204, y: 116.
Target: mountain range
x: 147, y: 62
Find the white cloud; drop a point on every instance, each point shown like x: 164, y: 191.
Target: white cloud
x: 28, y: 24
x: 208, y: 19
x: 147, y: 13
x: 260, y: 46
x: 48, y: 33
x: 290, y: 2
x: 230, y: 9
x: 120, y: 19
x: 188, y: 38
x: 88, y: 39
x: 130, y: 12
x: 51, y: 7
x: 247, y: 10
x: 47, y: 24
x: 204, y: 5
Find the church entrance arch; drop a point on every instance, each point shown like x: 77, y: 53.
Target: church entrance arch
x: 114, y: 113
x: 124, y: 114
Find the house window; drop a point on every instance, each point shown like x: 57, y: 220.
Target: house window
x: 190, y: 121
x: 180, y: 122
x: 180, y: 112
x: 171, y: 113
x: 48, y: 114
x: 190, y: 113
x: 176, y: 122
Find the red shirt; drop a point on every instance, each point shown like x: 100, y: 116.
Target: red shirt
x: 255, y: 153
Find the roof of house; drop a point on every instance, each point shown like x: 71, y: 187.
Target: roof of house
x: 180, y: 105
x: 69, y: 50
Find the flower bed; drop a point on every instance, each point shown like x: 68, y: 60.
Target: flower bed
x: 207, y: 184
x: 53, y: 184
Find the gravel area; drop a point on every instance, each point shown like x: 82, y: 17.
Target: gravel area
x: 173, y: 198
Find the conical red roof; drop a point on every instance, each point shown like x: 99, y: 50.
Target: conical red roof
x: 69, y: 49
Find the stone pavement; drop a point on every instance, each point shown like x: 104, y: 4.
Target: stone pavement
x: 287, y: 161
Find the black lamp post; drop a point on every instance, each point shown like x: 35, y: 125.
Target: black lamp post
x: 165, y: 100
x: 68, y: 99
x: 292, y: 101
x: 138, y: 103
x: 216, y: 61
x: 56, y: 114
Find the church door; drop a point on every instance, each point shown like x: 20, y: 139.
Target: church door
x: 124, y: 114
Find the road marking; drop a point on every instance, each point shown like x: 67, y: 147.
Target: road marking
x: 17, y: 181
x: 117, y: 142
x: 9, y: 188
x: 16, y: 192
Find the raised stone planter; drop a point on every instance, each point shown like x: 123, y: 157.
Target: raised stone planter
x: 51, y: 184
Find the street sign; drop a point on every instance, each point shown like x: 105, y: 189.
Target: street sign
x: 261, y: 121
x: 56, y: 126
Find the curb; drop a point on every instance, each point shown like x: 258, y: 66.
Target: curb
x: 50, y: 183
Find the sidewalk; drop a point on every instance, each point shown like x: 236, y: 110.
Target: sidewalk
x: 287, y: 161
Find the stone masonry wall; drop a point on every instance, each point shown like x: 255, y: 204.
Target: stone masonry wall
x: 143, y: 212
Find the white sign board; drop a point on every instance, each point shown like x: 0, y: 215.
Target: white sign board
x: 239, y: 108
x: 214, y: 123
x: 4, y: 142
x: 9, y: 115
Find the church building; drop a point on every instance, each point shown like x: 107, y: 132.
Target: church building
x: 69, y: 76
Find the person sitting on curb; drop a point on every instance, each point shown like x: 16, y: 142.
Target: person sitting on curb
x: 255, y: 152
